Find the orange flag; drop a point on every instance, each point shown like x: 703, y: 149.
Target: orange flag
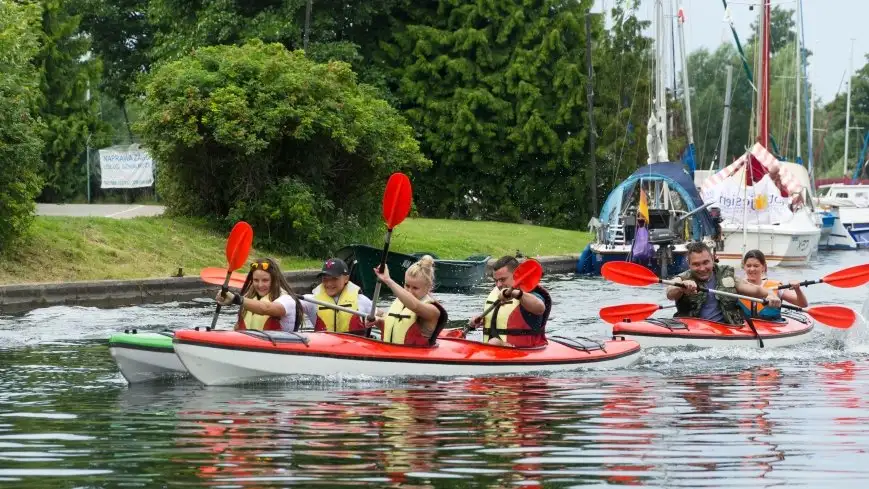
x: 643, y: 208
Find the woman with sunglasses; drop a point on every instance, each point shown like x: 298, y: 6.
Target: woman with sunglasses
x: 754, y: 266
x: 267, y: 301
x: 414, y: 318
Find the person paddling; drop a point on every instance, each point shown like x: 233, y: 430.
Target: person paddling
x: 703, y: 271
x: 335, y: 287
x: 414, y: 318
x: 754, y: 266
x: 519, y: 319
x: 267, y: 301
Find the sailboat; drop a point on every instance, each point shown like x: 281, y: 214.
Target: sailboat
x: 760, y: 199
x: 657, y: 206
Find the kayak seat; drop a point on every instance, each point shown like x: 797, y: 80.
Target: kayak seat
x: 669, y: 323
x: 276, y: 337
x: 580, y: 343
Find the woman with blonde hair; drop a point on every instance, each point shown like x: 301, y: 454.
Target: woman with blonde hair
x: 267, y: 301
x: 414, y: 318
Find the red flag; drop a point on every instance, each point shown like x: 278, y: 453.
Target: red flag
x: 754, y: 171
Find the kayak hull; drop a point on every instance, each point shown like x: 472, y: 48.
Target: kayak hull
x: 681, y: 332
x: 142, y: 357
x: 226, y: 358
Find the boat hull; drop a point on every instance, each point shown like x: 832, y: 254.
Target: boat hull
x: 682, y: 332
x: 143, y: 357
x: 227, y: 357
x: 452, y: 275
x: 603, y: 253
x: 791, y: 244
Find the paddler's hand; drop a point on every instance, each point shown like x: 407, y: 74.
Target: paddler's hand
x: 508, y: 294
x: 382, y: 276
x: 228, y: 299
x: 475, y: 322
x: 690, y: 286
x: 795, y: 284
x: 773, y: 300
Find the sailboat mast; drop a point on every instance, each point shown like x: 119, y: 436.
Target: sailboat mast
x: 763, y: 123
x: 848, y: 110
x: 660, y: 82
x: 725, y: 125
x: 799, y: 72
x: 689, y: 126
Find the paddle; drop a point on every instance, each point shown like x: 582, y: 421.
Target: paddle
x: 396, y: 207
x: 627, y: 273
x: 525, y: 278
x: 237, y: 249
x: 209, y: 275
x: 216, y: 275
x: 846, y: 278
x: 630, y: 312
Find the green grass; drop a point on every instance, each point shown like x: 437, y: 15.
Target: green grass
x: 63, y: 249
x: 461, y: 239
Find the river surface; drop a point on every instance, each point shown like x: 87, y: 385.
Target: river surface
x: 794, y: 417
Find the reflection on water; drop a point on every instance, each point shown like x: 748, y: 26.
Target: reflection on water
x: 793, y: 417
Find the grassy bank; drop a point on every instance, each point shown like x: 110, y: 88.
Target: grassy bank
x: 62, y: 249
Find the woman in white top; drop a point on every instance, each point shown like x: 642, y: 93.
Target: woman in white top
x: 268, y: 302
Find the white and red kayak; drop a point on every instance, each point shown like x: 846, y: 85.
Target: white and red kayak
x: 234, y: 357
x: 674, y: 332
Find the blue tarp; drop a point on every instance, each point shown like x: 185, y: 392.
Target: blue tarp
x: 676, y: 176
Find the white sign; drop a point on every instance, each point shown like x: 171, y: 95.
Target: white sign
x: 126, y: 167
x: 761, y: 203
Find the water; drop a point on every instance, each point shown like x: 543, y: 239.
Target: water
x: 794, y: 417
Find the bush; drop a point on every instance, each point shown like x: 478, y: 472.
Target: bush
x: 267, y: 135
x: 20, y: 144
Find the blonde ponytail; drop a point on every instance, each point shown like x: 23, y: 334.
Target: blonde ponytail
x: 423, y: 269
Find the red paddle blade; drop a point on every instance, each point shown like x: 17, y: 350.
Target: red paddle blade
x: 627, y: 273
x: 216, y: 276
x: 835, y: 316
x: 633, y: 312
x: 849, y: 277
x: 527, y: 275
x: 238, y: 245
x: 396, y: 199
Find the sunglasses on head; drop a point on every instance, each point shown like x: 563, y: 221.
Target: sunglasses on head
x: 261, y: 265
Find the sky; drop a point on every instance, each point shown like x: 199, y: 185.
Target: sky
x: 829, y: 27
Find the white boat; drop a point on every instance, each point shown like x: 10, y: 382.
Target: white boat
x: 758, y: 216
x: 145, y: 356
x: 852, y: 203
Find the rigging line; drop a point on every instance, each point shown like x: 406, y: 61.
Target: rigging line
x: 630, y: 115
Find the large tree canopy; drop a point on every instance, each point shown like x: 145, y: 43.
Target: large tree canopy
x: 265, y: 134
x: 497, y: 92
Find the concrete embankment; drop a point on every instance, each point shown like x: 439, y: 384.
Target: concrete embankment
x: 15, y: 299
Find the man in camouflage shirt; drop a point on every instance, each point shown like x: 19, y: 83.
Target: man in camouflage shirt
x: 704, y: 272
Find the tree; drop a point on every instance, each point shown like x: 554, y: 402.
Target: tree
x: 497, y: 93
x: 20, y: 144
x: 120, y: 38
x: 255, y: 132
x: 68, y: 107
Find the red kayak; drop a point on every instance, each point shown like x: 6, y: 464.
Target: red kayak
x: 702, y: 333
x: 232, y: 357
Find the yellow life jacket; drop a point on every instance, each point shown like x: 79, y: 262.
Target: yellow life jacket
x: 506, y: 321
x: 338, y: 321
x: 499, y: 314
x: 400, y: 326
x: 260, y: 322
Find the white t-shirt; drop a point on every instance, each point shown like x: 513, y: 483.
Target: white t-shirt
x: 288, y: 321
